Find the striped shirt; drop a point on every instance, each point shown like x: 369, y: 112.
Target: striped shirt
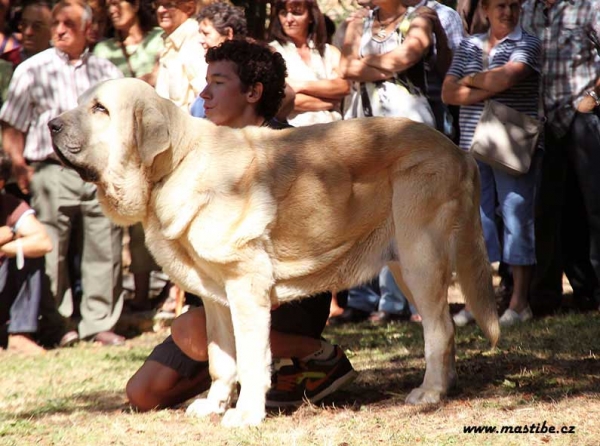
x: 518, y: 46
x: 43, y: 87
x: 570, y: 64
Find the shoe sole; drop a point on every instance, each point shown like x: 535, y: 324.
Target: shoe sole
x: 69, y: 341
x: 335, y: 386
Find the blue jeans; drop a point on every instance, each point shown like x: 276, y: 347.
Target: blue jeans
x: 515, y: 196
x: 20, y: 294
x: 381, y: 294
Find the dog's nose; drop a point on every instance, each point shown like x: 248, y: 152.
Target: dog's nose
x: 56, y: 125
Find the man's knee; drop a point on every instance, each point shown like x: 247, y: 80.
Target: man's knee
x: 139, y: 393
x: 189, y: 333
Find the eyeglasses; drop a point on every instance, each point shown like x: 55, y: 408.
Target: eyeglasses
x: 294, y: 8
x: 166, y: 5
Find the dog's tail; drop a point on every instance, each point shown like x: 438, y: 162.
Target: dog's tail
x: 473, y: 269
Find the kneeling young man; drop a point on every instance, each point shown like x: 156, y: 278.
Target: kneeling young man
x: 245, y: 86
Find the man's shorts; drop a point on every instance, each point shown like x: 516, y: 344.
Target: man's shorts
x: 306, y: 317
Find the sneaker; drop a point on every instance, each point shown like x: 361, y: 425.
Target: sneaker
x: 511, y: 317
x: 310, y: 380
x: 463, y: 317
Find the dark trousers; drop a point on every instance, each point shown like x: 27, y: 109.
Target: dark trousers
x: 568, y: 216
x: 20, y: 295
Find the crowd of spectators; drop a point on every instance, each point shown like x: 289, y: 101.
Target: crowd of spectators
x: 419, y: 59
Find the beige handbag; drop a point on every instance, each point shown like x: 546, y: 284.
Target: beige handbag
x: 505, y: 138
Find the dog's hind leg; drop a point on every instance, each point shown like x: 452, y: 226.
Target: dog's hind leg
x: 222, y: 363
x: 423, y: 273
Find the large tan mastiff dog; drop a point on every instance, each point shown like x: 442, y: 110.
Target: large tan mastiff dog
x: 252, y: 218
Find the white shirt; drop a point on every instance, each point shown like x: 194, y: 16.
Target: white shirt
x: 318, y: 69
x: 182, y: 68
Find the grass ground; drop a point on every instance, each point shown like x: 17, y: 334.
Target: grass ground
x: 547, y: 371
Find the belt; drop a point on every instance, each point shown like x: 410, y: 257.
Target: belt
x: 49, y: 160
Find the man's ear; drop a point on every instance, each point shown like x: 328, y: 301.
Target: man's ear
x: 255, y: 92
x: 229, y: 32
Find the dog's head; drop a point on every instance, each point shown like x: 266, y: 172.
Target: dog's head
x: 113, y: 138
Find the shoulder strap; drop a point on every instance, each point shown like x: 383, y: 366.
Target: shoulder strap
x: 485, y: 50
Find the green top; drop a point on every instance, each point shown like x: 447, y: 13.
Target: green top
x: 6, y: 71
x: 142, y: 56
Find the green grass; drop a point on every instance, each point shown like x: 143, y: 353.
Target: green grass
x: 547, y: 370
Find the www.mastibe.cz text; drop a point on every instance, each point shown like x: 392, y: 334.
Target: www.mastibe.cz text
x: 534, y: 428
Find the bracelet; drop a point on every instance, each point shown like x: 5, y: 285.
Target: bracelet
x: 472, y: 79
x: 20, y: 255
x: 594, y: 96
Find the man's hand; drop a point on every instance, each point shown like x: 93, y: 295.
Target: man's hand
x: 6, y: 235
x: 586, y: 105
x: 23, y: 174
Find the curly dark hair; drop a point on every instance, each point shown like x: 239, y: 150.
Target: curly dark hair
x: 223, y: 16
x: 255, y: 62
x: 317, y: 30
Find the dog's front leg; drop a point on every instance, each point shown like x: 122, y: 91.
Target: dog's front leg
x: 222, y: 366
x: 250, y: 311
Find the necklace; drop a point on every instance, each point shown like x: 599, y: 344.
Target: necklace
x: 382, y: 32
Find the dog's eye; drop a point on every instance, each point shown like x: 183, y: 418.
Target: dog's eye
x: 98, y: 107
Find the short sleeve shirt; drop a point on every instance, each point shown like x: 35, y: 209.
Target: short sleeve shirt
x: 518, y: 46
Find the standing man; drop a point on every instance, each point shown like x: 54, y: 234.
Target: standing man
x: 569, y: 33
x: 42, y: 87
x: 182, y: 68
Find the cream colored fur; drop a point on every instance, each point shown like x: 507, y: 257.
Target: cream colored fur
x: 255, y: 217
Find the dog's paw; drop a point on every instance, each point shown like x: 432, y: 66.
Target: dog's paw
x: 242, y: 418
x: 203, y: 407
x: 424, y: 396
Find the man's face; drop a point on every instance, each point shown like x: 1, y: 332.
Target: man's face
x: 36, y: 27
x: 170, y: 14
x: 68, y: 32
x: 224, y: 101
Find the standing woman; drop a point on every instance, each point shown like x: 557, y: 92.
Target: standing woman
x: 383, y: 53
x: 137, y: 42
x: 298, y: 32
x: 512, y: 78
x: 134, y: 50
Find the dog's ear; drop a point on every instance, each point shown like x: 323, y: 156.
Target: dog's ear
x: 151, y: 132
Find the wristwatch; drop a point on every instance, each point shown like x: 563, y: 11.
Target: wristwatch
x: 594, y: 96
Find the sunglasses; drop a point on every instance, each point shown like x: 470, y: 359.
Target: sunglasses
x: 166, y: 5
